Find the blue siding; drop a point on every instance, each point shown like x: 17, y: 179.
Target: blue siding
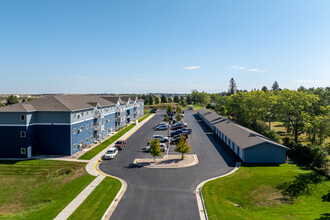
x: 11, y: 142
x: 265, y: 153
x: 53, y: 139
x: 83, y: 135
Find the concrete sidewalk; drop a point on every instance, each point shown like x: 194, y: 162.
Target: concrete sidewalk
x: 91, y: 168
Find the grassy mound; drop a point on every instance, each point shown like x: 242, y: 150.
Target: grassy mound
x: 268, y: 192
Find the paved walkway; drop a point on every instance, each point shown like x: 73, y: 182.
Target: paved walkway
x: 91, y: 169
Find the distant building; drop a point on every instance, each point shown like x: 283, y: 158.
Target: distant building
x: 63, y: 124
x: 248, y: 145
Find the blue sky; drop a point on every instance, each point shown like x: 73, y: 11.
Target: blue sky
x: 162, y: 46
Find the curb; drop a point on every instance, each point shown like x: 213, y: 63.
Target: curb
x: 195, y: 162
x: 199, y: 195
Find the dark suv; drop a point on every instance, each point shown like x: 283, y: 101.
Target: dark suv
x: 120, y: 144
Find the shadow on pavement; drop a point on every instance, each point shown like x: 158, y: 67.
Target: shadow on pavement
x: 226, y: 153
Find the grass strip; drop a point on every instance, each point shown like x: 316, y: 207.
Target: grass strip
x: 252, y: 193
x: 94, y: 151
x: 144, y: 117
x: 39, y: 189
x: 98, y: 201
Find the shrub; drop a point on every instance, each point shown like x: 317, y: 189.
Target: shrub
x: 272, y: 135
x: 166, y: 118
x: 319, y: 157
x: 178, y: 117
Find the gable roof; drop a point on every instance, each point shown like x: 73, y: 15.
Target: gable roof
x: 240, y: 135
x: 65, y: 103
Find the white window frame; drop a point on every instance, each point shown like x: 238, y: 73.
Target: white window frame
x: 82, y: 128
x: 87, y: 140
x: 87, y: 126
x: 74, y: 115
x: 74, y: 131
x: 74, y: 147
x: 23, y: 150
x: 92, y: 125
x: 23, y: 134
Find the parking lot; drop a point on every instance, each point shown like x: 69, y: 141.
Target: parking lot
x: 173, y: 190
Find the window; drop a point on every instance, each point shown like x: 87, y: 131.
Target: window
x: 91, y: 124
x: 87, y: 140
x: 23, y: 150
x: 82, y: 142
x: 82, y: 128
x: 22, y: 117
x: 23, y: 134
x: 92, y: 138
x: 74, y: 146
x: 74, y: 131
x: 82, y: 114
x: 87, y: 126
x: 87, y: 113
x: 74, y: 115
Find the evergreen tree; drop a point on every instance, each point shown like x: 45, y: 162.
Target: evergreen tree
x: 264, y: 88
x: 182, y: 101
x: 232, y: 87
x: 164, y: 99
x: 176, y: 99
x: 170, y: 100
x: 275, y: 86
x: 157, y: 100
x: 188, y: 100
x: 151, y: 100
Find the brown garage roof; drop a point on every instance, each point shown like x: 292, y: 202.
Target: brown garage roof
x: 240, y: 135
x: 65, y: 103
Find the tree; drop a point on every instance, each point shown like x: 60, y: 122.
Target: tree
x: 264, y: 88
x: 163, y: 99
x: 178, y: 110
x: 166, y: 118
x: 157, y: 100
x: 182, y: 146
x: 176, y: 99
x: 169, y: 109
x: 154, y: 149
x: 169, y: 100
x: 294, y: 108
x: 275, y: 86
x: 146, y: 99
x: 232, y: 86
x: 318, y: 128
x: 12, y: 100
x: 188, y: 100
x: 182, y: 101
x: 178, y: 117
x: 151, y: 100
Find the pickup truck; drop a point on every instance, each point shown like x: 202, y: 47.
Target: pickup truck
x: 120, y: 144
x: 179, y: 132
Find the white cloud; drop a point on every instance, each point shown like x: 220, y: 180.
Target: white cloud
x: 256, y: 70
x: 237, y: 67
x: 191, y: 67
x: 307, y: 81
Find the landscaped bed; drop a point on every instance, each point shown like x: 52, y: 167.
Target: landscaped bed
x: 98, y: 201
x: 253, y: 192
x: 39, y: 189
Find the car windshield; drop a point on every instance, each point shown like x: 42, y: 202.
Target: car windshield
x: 110, y: 151
x: 119, y: 142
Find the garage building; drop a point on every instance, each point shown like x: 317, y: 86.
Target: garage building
x: 248, y: 145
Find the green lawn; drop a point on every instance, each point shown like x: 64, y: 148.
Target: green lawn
x: 98, y: 201
x: 253, y: 188
x: 146, y: 115
x: 39, y: 189
x: 94, y: 151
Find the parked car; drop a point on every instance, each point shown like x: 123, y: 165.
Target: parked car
x: 154, y: 110
x: 120, y: 144
x: 147, y: 148
x: 111, y: 153
x: 178, y: 127
x: 178, y: 135
x: 178, y: 132
x: 161, y: 127
x: 188, y: 130
x: 161, y: 138
x: 176, y: 140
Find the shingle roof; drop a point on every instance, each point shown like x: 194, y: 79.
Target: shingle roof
x: 64, y: 103
x: 241, y: 136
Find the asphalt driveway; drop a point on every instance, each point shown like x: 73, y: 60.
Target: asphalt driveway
x: 167, y: 193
